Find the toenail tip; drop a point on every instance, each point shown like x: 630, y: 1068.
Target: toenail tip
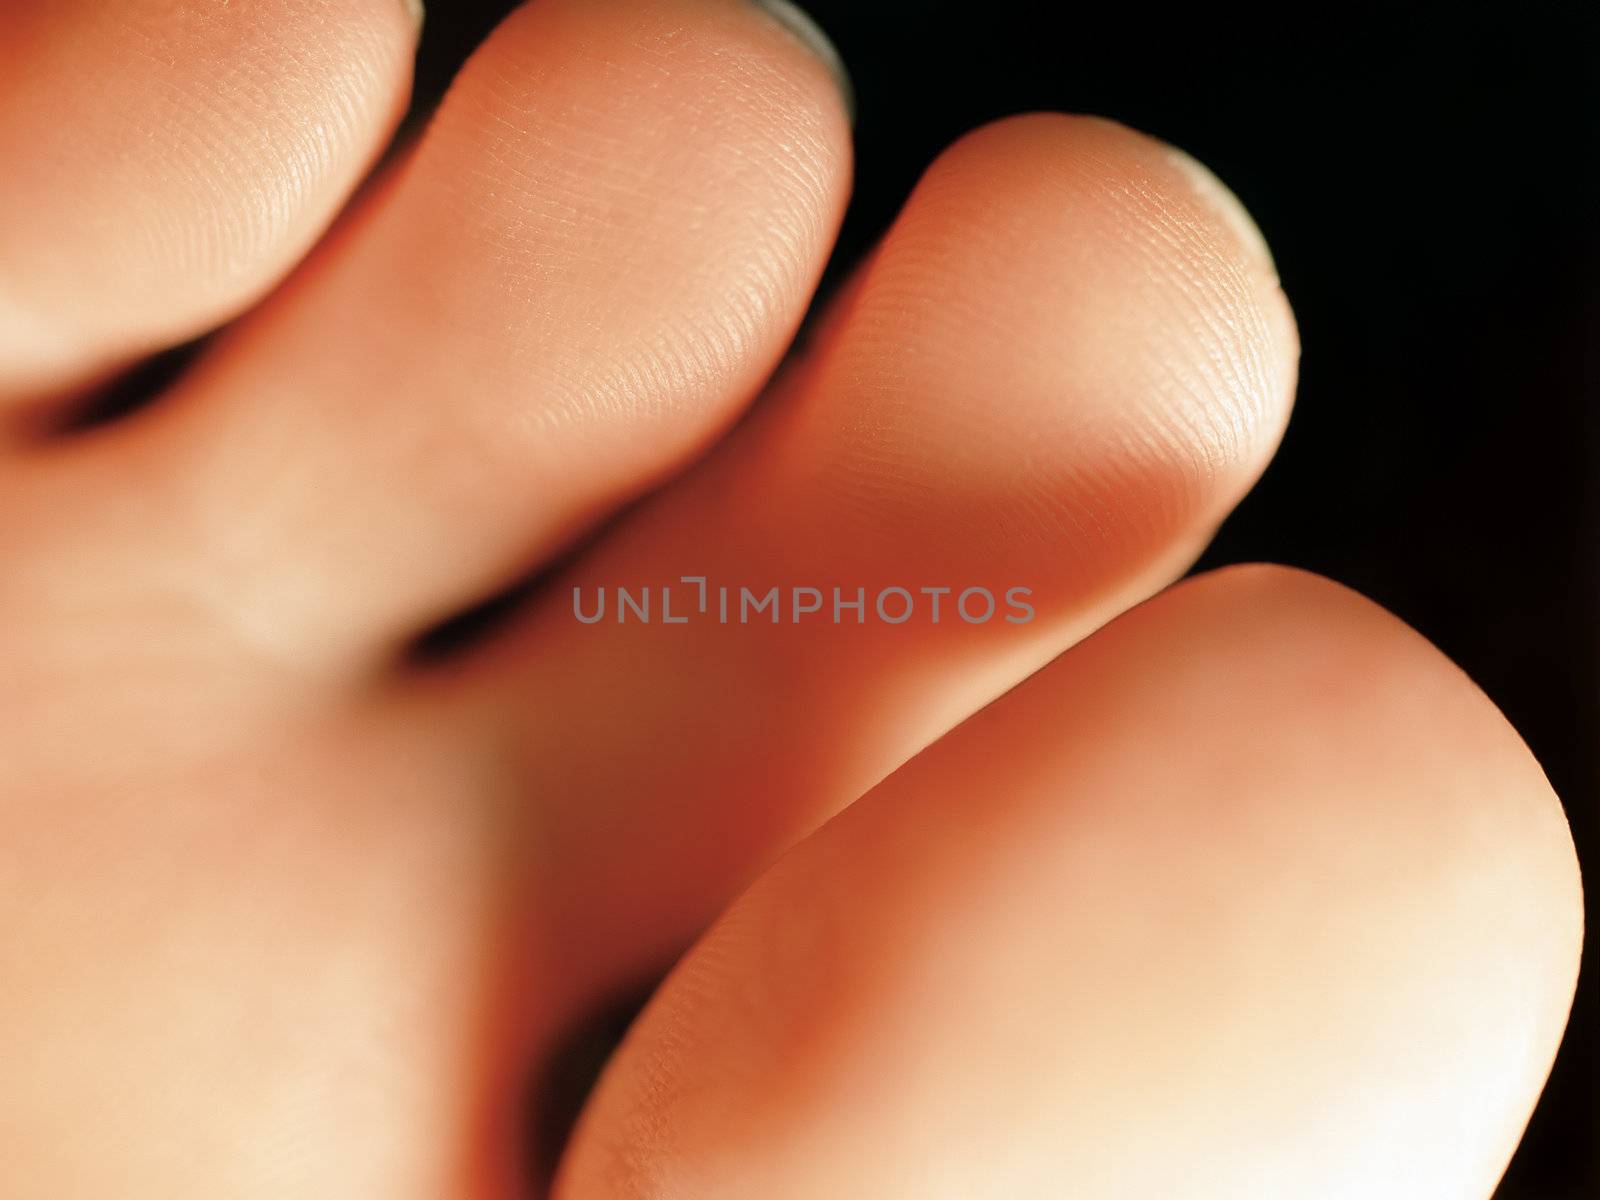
x: 801, y: 26
x: 1221, y: 200
x: 415, y: 11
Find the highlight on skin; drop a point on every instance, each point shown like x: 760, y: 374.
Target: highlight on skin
x: 337, y: 852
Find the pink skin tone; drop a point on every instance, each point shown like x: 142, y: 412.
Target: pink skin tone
x: 1246, y: 891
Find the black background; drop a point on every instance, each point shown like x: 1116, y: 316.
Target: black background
x: 1423, y: 177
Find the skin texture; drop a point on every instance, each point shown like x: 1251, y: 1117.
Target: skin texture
x: 1059, y: 369
x: 1256, y: 843
x: 1218, y: 901
x: 173, y: 161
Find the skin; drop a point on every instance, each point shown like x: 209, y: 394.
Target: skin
x: 1249, y: 893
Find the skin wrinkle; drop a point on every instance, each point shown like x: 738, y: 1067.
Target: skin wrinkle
x: 640, y: 182
x: 1192, y: 296
x: 294, y: 928
x: 228, y: 147
x: 787, y: 477
x: 224, y: 172
x: 769, y: 280
x: 1234, y: 358
x: 1215, y: 435
x: 250, y: 440
x: 1200, y: 430
x: 1255, y: 369
x: 1174, y: 221
x: 685, y: 379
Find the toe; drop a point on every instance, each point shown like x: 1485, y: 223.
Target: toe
x: 1064, y: 364
x: 1250, y: 895
x: 597, y: 252
x: 167, y: 163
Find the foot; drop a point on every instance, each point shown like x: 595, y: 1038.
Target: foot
x: 310, y: 885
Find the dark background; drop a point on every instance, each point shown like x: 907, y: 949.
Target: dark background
x: 1424, y: 178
